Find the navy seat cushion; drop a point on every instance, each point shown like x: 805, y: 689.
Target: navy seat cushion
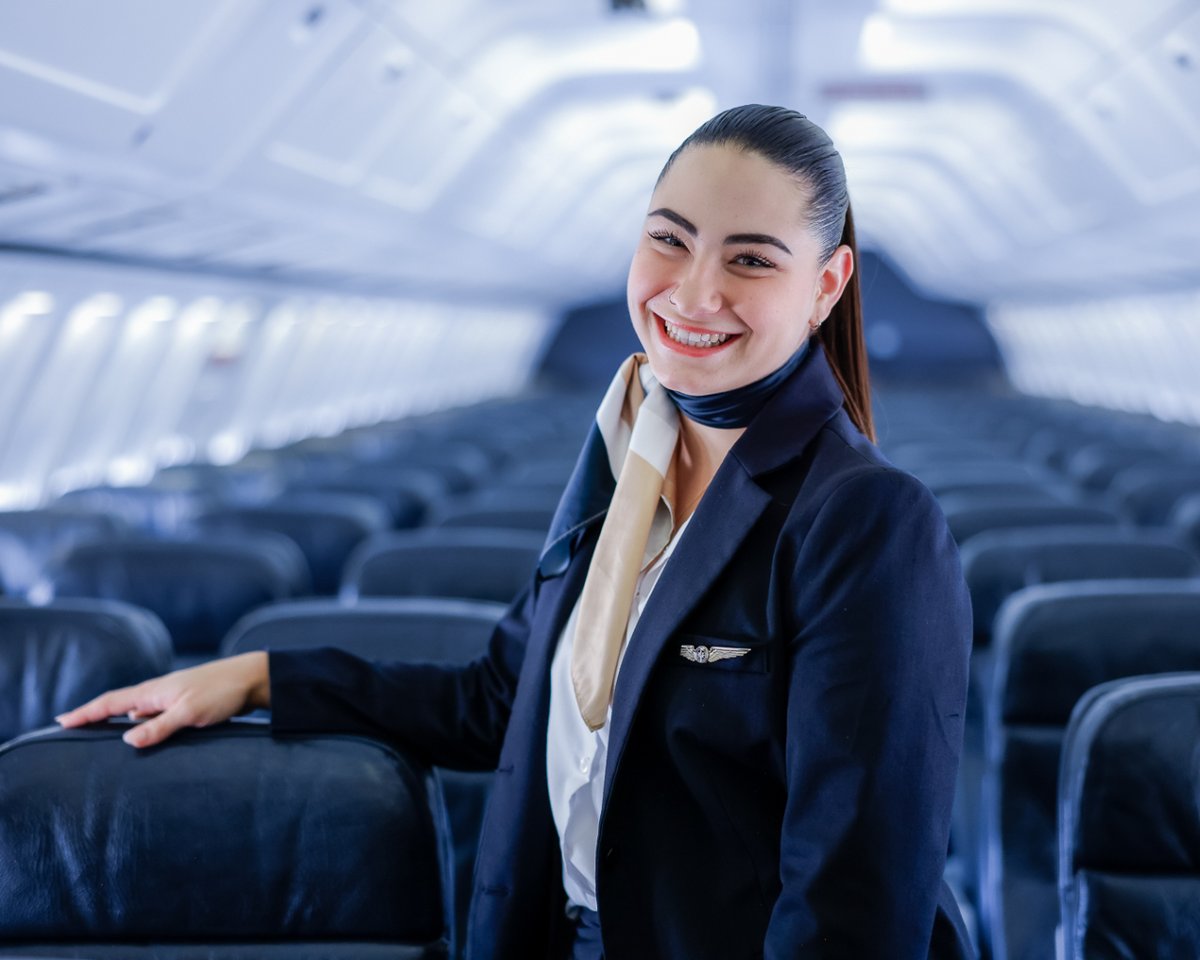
x: 55, y: 658
x: 221, y: 835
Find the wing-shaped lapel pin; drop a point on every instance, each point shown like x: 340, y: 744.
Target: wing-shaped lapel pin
x: 702, y: 654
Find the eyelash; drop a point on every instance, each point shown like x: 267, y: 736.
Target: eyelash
x: 671, y: 239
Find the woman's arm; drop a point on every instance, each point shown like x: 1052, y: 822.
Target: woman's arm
x: 878, y: 683
x: 453, y: 716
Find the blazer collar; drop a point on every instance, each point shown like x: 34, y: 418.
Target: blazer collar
x: 792, y: 417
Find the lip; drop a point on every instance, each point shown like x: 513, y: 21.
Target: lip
x: 677, y: 347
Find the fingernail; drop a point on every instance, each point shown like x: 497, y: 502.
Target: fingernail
x: 59, y: 718
x: 131, y: 738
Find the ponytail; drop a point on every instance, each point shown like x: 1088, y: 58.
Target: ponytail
x: 842, y: 337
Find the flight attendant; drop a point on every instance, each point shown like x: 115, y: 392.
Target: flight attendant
x: 725, y: 717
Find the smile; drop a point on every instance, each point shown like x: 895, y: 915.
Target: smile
x: 693, y: 339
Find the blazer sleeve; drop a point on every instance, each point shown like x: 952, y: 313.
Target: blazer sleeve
x: 451, y: 716
x: 876, y: 700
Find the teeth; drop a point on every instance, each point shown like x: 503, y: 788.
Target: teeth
x: 689, y: 339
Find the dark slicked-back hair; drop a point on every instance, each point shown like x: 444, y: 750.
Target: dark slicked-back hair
x: 803, y: 150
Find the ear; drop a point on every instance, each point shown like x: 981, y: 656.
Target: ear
x: 831, y: 281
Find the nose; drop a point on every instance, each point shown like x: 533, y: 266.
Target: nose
x: 699, y: 291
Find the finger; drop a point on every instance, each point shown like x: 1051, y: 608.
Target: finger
x: 151, y: 732
x: 111, y: 704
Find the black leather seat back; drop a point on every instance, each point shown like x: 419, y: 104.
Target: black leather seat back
x: 492, y: 565
x: 1129, y: 822
x: 55, y: 658
x: 223, y: 836
x: 1053, y: 643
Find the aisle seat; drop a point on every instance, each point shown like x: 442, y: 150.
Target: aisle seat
x: 222, y: 843
x: 1052, y: 643
x: 399, y: 629
x: 1129, y: 823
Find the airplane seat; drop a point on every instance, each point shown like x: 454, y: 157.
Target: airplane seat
x: 325, y: 526
x: 198, y: 587
x: 325, y: 846
x: 1053, y: 642
x: 478, y: 564
x: 1129, y: 824
x: 1149, y: 494
x: 55, y: 658
x: 409, y: 629
x: 969, y: 515
x: 998, y: 563
x: 35, y: 537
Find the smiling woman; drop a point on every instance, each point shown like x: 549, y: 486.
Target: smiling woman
x: 726, y: 714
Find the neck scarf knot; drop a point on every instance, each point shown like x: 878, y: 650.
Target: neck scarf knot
x: 736, y: 408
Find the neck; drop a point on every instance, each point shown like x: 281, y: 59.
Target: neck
x: 697, y: 457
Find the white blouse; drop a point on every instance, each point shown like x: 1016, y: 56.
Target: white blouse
x: 575, y: 755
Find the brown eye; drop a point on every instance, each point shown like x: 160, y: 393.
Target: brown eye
x: 752, y: 260
x: 666, y: 237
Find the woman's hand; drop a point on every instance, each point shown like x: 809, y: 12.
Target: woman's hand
x: 198, y: 697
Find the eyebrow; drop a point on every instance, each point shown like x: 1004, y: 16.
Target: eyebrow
x: 687, y: 225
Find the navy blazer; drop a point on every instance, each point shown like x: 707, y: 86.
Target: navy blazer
x: 790, y: 803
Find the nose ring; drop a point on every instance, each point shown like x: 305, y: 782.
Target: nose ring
x: 671, y: 299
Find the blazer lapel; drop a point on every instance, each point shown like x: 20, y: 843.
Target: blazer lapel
x: 729, y: 509
x: 731, y: 506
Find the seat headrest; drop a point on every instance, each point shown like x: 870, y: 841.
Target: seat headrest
x: 1056, y: 641
x: 55, y: 658
x: 223, y: 834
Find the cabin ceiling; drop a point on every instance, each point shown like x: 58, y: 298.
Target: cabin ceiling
x: 998, y: 150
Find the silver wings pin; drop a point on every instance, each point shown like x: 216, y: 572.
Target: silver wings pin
x: 702, y: 654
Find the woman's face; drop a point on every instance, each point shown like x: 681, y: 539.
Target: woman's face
x: 727, y: 278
